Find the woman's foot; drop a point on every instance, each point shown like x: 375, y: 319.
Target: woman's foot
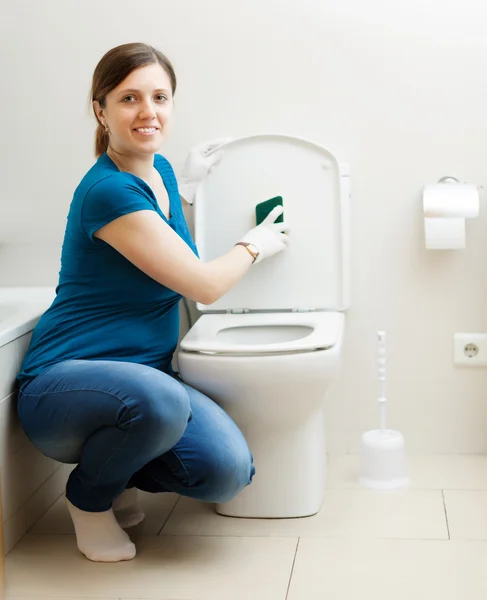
x: 99, y: 536
x: 127, y: 509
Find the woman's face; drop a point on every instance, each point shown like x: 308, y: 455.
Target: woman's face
x: 138, y: 111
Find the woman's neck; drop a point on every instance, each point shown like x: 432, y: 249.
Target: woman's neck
x: 142, y: 167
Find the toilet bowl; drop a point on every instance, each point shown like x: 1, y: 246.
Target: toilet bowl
x: 271, y: 374
x: 269, y: 350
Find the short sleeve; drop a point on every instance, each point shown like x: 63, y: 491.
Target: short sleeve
x: 111, y: 198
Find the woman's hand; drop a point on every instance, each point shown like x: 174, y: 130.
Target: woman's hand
x: 198, y: 164
x: 267, y: 237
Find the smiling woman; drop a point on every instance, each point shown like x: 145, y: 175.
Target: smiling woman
x: 97, y: 386
x: 113, y: 79
x: 134, y: 110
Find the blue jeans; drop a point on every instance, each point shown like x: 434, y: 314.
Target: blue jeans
x: 127, y: 425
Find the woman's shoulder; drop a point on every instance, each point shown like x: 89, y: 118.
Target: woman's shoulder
x: 102, y: 176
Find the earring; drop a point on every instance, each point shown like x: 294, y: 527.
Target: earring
x: 106, y: 129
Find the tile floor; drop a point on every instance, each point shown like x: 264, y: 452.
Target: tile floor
x: 429, y: 542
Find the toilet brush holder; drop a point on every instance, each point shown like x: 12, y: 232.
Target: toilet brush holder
x: 383, y: 455
x: 383, y: 460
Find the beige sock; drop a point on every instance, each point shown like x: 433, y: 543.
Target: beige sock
x: 127, y: 509
x: 100, y: 538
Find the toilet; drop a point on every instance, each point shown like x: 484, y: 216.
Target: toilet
x: 269, y: 350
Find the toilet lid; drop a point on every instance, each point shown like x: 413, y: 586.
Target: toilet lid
x: 313, y: 271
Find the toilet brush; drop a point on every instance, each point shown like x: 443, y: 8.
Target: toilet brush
x: 383, y: 460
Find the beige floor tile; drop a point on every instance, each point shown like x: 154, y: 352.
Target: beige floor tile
x: 157, y: 508
x: 467, y: 514
x: 389, y: 570
x: 414, y: 514
x: 166, y: 567
x: 460, y: 472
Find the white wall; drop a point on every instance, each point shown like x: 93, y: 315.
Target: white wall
x: 26, y: 497
x: 395, y: 88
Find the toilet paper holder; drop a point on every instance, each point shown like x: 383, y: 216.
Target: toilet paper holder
x: 448, y: 179
x: 446, y: 206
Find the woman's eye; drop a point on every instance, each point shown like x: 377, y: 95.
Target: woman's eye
x: 130, y: 98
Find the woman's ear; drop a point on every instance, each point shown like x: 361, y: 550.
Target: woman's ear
x: 98, y: 111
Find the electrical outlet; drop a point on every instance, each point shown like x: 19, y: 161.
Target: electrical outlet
x: 470, y: 349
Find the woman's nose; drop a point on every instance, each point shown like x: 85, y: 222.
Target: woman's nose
x: 147, y: 110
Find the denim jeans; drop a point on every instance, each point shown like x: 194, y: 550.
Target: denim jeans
x: 125, y: 425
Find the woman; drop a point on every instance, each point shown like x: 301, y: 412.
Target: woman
x: 96, y: 386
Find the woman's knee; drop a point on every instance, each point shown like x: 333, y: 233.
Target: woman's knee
x: 225, y: 473
x: 157, y: 408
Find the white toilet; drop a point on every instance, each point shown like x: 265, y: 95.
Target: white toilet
x: 269, y: 350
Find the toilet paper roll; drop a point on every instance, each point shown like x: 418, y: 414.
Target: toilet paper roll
x: 451, y: 200
x: 444, y: 234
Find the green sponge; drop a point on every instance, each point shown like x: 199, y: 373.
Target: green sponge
x: 264, y: 208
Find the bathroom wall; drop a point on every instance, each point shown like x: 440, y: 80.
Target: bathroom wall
x: 31, y: 482
x: 394, y: 88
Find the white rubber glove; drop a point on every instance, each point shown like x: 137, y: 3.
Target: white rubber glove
x: 268, y: 237
x: 199, y: 162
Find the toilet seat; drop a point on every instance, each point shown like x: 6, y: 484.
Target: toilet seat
x: 226, y: 333
x: 269, y: 310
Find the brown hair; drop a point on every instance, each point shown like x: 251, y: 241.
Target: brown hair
x: 113, y: 68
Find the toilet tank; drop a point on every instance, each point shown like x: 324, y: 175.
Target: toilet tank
x: 314, y: 271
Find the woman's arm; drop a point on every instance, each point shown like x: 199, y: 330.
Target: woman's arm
x: 149, y: 243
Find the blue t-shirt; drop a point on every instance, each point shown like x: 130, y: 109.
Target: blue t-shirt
x: 105, y: 307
